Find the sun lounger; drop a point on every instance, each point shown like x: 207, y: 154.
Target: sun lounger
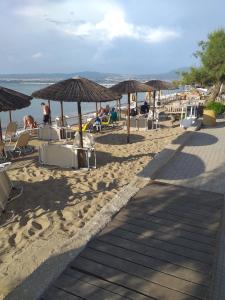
x: 10, y: 132
x: 6, y: 187
x: 2, y: 151
x: 21, y: 146
x: 88, y: 126
x: 58, y: 121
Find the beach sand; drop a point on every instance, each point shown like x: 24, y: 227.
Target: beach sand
x: 58, y: 202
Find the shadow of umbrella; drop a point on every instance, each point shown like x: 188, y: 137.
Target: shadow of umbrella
x: 12, y: 100
x: 118, y: 139
x: 198, y: 139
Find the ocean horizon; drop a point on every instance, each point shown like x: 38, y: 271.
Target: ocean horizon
x: 70, y: 108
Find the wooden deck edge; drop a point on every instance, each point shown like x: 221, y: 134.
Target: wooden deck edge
x: 217, y: 289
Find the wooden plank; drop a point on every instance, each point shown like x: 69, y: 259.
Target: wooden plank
x: 54, y: 293
x: 146, y: 273
x: 150, y: 262
x: 118, y: 289
x: 84, y: 289
x: 195, y: 204
x: 158, y: 249
x: 170, y: 237
x: 167, y: 222
x: 192, y: 206
x: 171, y: 216
x: 158, y: 190
x: 178, y: 210
x: 133, y: 282
x: 176, y: 229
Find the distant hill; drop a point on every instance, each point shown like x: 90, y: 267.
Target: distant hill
x: 97, y: 76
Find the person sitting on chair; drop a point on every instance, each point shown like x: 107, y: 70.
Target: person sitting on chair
x: 28, y: 122
x: 113, y: 115
x: 133, y: 112
x: 101, y: 112
x: 144, y: 108
x: 107, y: 109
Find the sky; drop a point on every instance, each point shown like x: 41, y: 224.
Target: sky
x: 118, y: 36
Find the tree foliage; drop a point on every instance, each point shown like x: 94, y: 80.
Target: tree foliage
x: 212, y: 61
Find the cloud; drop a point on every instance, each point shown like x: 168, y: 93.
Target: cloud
x: 94, y: 20
x: 114, y: 25
x: 37, y: 55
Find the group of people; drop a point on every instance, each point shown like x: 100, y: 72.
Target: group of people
x: 144, y: 109
x: 29, y: 122
x: 103, y: 115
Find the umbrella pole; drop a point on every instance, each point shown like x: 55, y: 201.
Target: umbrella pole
x: 50, y: 114
x: 119, y: 109
x: 136, y: 102
x: 10, y: 116
x: 96, y: 108
x: 62, y: 121
x: 80, y: 123
x: 128, y: 120
x: 153, y: 109
x: 0, y: 129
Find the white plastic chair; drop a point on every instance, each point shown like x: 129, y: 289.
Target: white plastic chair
x: 88, y: 147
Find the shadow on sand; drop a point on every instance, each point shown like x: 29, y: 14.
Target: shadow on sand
x: 118, y: 139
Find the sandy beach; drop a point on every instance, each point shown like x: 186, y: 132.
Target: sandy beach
x: 56, y: 203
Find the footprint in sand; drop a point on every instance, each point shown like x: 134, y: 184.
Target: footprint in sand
x: 36, y: 225
x: 12, y: 241
x: 86, y: 208
x: 31, y: 231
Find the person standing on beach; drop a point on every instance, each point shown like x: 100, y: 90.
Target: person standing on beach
x: 46, y: 113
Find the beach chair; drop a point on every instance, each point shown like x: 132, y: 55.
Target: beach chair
x: 88, y: 126
x: 88, y: 149
x: 10, y: 132
x: 142, y: 123
x: 58, y: 121
x: 21, y: 146
x: 2, y: 151
x: 8, y: 192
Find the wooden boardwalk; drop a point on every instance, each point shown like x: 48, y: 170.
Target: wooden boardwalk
x: 162, y: 245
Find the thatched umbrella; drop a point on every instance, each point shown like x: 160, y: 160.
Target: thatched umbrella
x: 78, y: 90
x: 159, y: 85
x: 128, y: 87
x: 12, y: 100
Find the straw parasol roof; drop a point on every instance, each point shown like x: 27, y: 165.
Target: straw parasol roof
x: 78, y: 90
x: 159, y: 85
x: 129, y: 87
x: 12, y: 100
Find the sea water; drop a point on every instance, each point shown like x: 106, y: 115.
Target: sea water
x: 69, y: 108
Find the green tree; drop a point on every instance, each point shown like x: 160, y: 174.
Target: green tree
x: 212, y: 63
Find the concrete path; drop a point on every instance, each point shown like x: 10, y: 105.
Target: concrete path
x: 201, y: 163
